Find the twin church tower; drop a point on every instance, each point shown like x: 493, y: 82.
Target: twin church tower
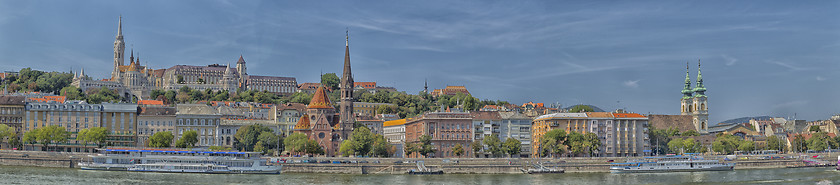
x: 694, y: 101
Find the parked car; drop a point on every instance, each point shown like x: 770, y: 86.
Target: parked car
x: 336, y: 162
x: 609, y: 161
x: 363, y: 161
x: 398, y: 162
x: 324, y: 161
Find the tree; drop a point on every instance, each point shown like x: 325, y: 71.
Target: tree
x: 360, y: 142
x: 799, y: 143
x: 553, y: 142
x: 82, y: 137
x: 31, y: 137
x: 512, y: 146
x: 97, y: 135
x: 411, y: 148
x: 330, y: 81
x: 814, y: 128
x: 72, y: 93
x: 188, y: 139
x: 161, y: 139
x: 493, y: 144
x: 820, y: 141
x: 775, y: 143
x: 476, y: 146
x: 247, y: 137
x: 6, y: 132
x: 180, y: 79
x: 296, y: 143
x: 380, y: 147
x: 458, y: 150
x: 746, y: 146
x: 52, y: 134
x: 726, y: 144
x: 268, y: 141
x: 581, y: 108
x: 676, y: 145
x: 426, y: 146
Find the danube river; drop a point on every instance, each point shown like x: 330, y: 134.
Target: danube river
x: 37, y: 175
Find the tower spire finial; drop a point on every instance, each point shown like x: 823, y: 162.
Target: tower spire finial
x: 119, y: 27
x: 347, y: 37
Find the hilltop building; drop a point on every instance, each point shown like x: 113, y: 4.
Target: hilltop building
x: 137, y: 80
x: 450, y: 90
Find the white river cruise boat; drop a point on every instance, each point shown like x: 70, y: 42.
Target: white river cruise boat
x: 677, y: 163
x: 178, y: 161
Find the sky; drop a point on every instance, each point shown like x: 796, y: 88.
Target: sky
x: 776, y: 58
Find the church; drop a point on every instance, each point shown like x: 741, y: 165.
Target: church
x: 694, y: 101
x: 138, y: 80
x: 321, y: 123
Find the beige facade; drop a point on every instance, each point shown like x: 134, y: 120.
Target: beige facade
x: 153, y: 120
x: 200, y: 118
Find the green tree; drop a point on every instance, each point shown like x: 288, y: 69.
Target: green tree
x: 82, y: 137
x: 746, y: 146
x: 476, y: 147
x: 726, y: 144
x: 6, y: 132
x: 97, y: 135
x: 247, y: 137
x: 411, y: 148
x: 188, y: 139
x: 690, y: 133
x: 512, y: 146
x: 581, y: 108
x: 180, y: 79
x: 72, y: 93
x: 820, y: 141
x: 458, y: 150
x: 330, y: 80
x: 31, y: 137
x: 814, y: 128
x: 161, y: 139
x: 380, y: 147
x: 775, y: 143
x: 426, y: 146
x: 676, y: 145
x: 360, y: 142
x: 799, y: 143
x: 493, y: 144
x: 269, y: 141
x: 553, y: 143
x: 296, y: 143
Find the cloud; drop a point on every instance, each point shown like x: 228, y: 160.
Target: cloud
x: 791, y: 67
x: 632, y: 83
x: 790, y: 104
x: 729, y: 60
x: 820, y: 78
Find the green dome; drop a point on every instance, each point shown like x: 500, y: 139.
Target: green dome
x: 699, y: 89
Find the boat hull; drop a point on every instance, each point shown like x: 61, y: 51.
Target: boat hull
x: 620, y: 169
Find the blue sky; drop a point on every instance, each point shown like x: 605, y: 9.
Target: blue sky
x: 759, y: 57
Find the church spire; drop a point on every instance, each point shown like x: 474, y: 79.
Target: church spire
x: 119, y: 29
x: 132, y: 56
x: 700, y: 89
x: 687, y: 89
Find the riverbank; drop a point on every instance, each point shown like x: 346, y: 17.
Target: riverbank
x: 403, y: 165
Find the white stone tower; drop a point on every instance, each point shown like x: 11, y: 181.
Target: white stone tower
x: 119, y: 52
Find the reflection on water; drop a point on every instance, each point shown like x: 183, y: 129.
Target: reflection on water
x: 35, y: 175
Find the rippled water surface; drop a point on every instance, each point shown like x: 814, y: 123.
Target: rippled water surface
x: 36, y: 175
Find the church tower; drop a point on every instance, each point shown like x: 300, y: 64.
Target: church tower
x: 119, y: 51
x: 243, y: 73
x: 685, y: 101
x: 701, y: 110
x: 347, y: 118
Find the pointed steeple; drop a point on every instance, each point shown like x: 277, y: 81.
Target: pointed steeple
x: 241, y: 60
x: 687, y: 91
x: 82, y: 74
x: 347, y: 76
x: 425, y: 85
x: 132, y: 57
x: 700, y: 90
x: 119, y: 29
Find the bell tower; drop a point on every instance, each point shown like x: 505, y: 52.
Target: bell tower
x: 347, y: 118
x: 119, y: 51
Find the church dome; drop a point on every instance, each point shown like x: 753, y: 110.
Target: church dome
x: 320, y: 100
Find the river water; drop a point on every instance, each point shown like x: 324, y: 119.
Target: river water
x: 37, y: 175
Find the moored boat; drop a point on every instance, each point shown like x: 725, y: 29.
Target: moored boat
x: 178, y: 161
x: 678, y: 163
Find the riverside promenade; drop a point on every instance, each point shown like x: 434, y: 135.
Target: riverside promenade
x: 402, y: 165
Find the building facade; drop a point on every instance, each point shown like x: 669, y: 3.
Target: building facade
x: 517, y: 126
x: 12, y: 111
x: 200, y: 118
x: 394, y: 132
x: 153, y: 120
x: 621, y: 134
x: 447, y: 130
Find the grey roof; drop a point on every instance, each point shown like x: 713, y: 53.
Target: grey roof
x: 119, y: 107
x: 12, y: 100
x: 721, y: 128
x: 270, y: 77
x: 220, y: 68
x: 249, y: 122
x: 157, y: 111
x: 513, y: 115
x: 195, y: 109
